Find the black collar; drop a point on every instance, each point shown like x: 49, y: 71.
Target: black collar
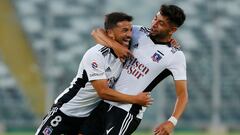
x: 157, y: 42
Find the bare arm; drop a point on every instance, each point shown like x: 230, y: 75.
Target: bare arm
x: 182, y: 98
x: 100, y: 37
x: 107, y: 93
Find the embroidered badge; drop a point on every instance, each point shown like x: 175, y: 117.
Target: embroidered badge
x: 47, y: 131
x: 94, y: 65
x: 156, y: 57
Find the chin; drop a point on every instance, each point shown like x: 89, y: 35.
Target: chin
x: 152, y: 34
x: 126, y: 45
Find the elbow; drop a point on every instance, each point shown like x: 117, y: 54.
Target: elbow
x: 102, y: 94
x: 93, y: 33
x: 186, y: 100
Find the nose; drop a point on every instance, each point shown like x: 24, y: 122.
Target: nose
x: 129, y: 34
x: 154, y: 23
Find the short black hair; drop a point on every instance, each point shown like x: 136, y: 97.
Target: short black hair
x: 113, y: 18
x: 174, y: 14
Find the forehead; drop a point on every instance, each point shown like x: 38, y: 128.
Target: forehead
x: 159, y: 16
x: 124, y: 24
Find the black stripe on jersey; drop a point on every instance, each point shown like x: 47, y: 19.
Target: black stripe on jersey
x: 80, y: 83
x: 104, y: 51
x: 114, y: 54
x: 145, y: 29
x: 165, y: 73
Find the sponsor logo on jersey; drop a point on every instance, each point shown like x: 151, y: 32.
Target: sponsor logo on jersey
x: 47, y: 131
x: 96, y: 74
x: 94, y: 64
x: 109, y: 130
x: 108, y: 69
x: 135, y: 68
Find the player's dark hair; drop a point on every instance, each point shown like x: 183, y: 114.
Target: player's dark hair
x: 174, y: 14
x: 113, y: 18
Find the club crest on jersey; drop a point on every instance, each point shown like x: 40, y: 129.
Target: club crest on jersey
x: 47, y: 131
x: 94, y: 65
x: 156, y: 57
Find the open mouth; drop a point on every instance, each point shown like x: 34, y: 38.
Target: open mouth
x: 152, y: 30
x: 126, y: 41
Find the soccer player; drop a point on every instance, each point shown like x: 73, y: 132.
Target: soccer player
x: 98, y: 71
x: 153, y: 60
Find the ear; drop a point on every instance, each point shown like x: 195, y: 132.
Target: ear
x: 173, y: 29
x: 110, y: 33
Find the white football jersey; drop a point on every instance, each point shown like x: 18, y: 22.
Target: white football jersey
x: 81, y: 98
x: 151, y: 64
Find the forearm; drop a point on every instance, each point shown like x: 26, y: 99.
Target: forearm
x: 112, y: 95
x: 101, y: 38
x: 180, y: 105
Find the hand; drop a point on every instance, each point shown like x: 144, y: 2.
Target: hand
x: 122, y: 52
x: 175, y: 43
x: 165, y: 128
x: 144, y: 99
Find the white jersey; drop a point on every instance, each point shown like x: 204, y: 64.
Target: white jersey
x: 151, y: 64
x: 79, y: 99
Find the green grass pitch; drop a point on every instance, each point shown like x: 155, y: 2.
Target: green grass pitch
x: 137, y: 133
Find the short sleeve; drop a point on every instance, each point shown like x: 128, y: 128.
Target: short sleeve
x: 178, y: 67
x: 135, y: 35
x: 94, y: 64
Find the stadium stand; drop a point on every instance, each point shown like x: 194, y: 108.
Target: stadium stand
x: 59, y: 31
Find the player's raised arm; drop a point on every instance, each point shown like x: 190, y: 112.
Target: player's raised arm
x: 106, y: 93
x: 100, y: 37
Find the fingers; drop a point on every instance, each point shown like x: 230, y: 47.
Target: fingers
x: 125, y: 55
x: 122, y: 60
x: 130, y: 55
x: 161, y: 132
x: 174, y: 43
x: 149, y: 99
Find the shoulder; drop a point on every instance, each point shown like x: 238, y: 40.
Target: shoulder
x: 140, y: 29
x: 179, y: 56
x: 98, y: 50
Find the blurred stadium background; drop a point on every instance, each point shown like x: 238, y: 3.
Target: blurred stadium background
x: 43, y: 41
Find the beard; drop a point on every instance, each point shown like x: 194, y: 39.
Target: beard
x: 159, y: 35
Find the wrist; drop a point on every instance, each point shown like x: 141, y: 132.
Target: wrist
x: 135, y: 100
x: 173, y: 120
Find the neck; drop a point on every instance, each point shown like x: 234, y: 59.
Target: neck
x: 157, y: 39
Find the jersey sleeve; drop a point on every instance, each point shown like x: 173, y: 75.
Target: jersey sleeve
x: 135, y: 35
x: 178, y: 67
x: 94, y: 64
